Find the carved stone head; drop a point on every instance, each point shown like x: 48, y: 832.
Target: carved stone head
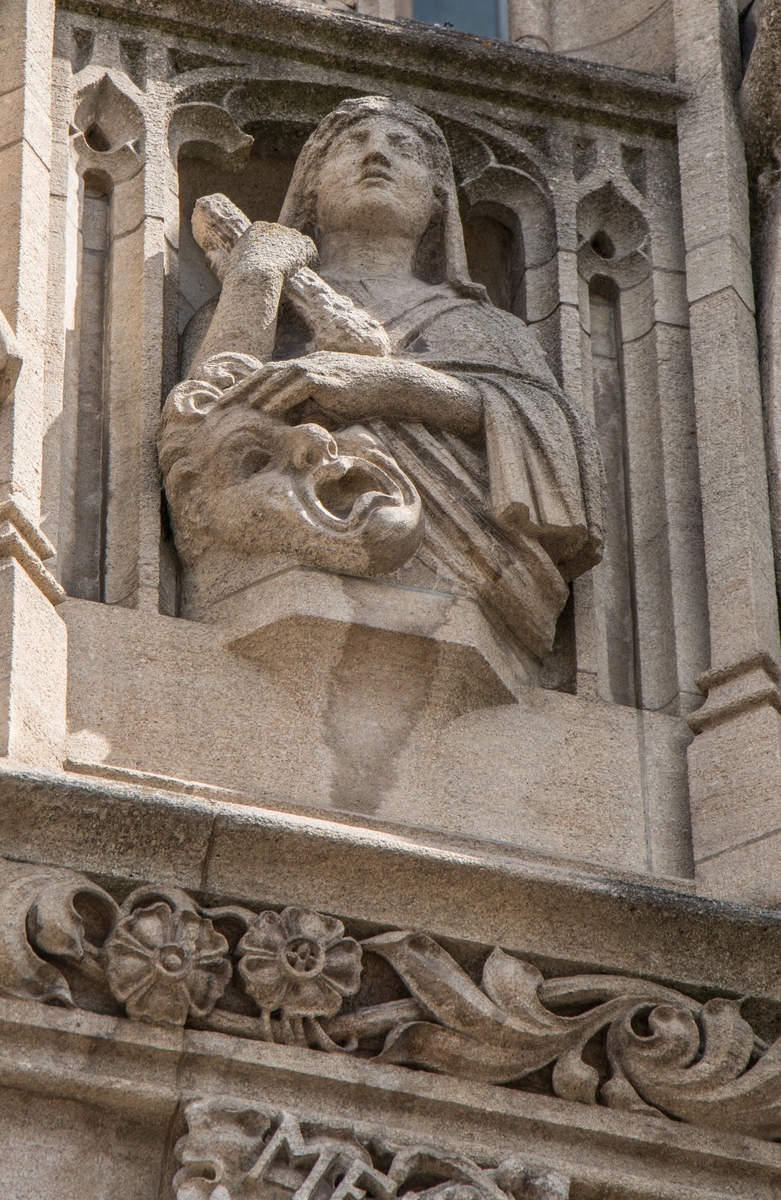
x: 383, y: 162
x: 244, y: 483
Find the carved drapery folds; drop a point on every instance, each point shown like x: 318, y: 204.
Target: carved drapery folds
x: 232, y: 1148
x: 506, y: 466
x: 294, y: 977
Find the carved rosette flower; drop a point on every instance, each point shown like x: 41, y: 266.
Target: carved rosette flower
x: 166, y: 965
x: 300, y: 962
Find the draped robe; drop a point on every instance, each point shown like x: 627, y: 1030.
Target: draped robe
x: 514, y: 514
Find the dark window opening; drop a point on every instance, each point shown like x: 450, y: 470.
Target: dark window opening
x: 86, y: 573
x: 488, y: 18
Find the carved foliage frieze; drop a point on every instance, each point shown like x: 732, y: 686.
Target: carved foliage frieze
x: 296, y: 977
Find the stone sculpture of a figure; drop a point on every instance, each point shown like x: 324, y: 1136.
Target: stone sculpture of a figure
x: 380, y: 417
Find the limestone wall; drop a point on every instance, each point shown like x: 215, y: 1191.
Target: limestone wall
x: 450, y: 871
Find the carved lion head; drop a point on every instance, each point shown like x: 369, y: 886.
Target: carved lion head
x: 241, y: 480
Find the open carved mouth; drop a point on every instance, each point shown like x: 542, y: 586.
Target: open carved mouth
x: 349, y: 490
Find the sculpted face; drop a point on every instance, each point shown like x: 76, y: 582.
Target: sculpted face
x: 262, y: 488
x: 377, y: 175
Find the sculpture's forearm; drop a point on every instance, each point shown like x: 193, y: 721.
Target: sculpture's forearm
x: 255, y: 264
x: 356, y: 387
x: 435, y: 398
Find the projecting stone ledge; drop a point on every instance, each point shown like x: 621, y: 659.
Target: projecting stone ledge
x: 126, y: 1085
x: 297, y: 624
x: 461, y: 888
x: 292, y: 976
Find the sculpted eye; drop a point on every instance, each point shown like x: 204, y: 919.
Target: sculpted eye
x: 404, y: 145
x: 243, y: 454
x: 253, y: 460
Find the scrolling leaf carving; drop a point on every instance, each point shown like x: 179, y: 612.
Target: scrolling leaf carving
x: 283, y: 977
x: 39, y: 922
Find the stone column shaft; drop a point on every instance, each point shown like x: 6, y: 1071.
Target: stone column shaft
x: 32, y: 636
x: 735, y: 762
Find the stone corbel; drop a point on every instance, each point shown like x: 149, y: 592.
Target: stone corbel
x: 735, y: 689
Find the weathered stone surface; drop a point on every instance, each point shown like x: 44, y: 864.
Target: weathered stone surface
x: 222, y: 1136
x: 161, y: 957
x: 346, y: 849
x: 588, y: 1145
x: 10, y: 359
x: 458, y: 742
x: 376, y: 182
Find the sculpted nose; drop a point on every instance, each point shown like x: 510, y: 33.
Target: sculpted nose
x: 309, y: 446
x: 375, y: 157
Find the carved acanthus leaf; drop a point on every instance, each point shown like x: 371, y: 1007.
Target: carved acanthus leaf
x: 283, y: 977
x: 38, y: 916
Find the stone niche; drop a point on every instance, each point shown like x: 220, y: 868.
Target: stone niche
x: 383, y: 513
x: 467, y: 670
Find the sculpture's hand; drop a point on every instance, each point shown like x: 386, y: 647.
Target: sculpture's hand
x: 268, y: 249
x: 354, y: 387
x: 230, y: 240
x: 253, y: 275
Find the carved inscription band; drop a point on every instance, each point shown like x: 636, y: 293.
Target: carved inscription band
x: 231, y: 1148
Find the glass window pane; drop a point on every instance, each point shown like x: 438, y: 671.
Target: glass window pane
x: 470, y: 16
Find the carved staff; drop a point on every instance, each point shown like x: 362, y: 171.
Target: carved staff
x: 273, y: 261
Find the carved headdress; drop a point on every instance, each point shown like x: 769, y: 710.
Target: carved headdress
x: 441, y: 255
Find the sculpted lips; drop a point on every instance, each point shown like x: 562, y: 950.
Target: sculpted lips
x: 376, y: 175
x: 348, y: 490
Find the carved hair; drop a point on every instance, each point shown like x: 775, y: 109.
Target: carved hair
x: 186, y: 434
x: 441, y: 255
